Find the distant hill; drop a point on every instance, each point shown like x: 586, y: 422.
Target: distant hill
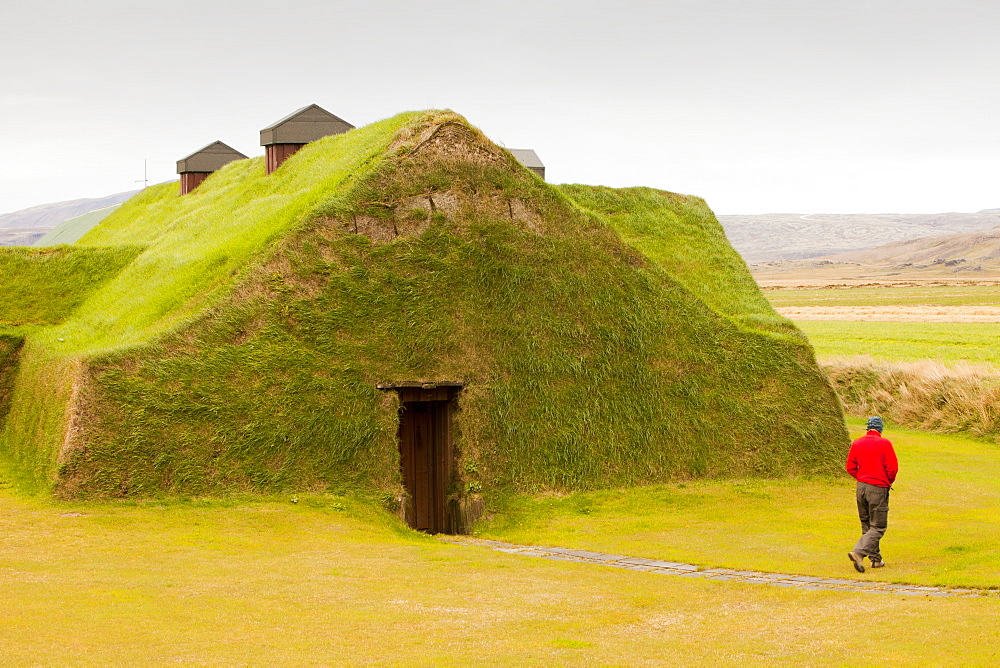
x: 990, y: 211
x: 792, y: 236
x: 962, y: 256
x: 21, y: 236
x: 25, y: 227
x: 70, y: 230
x: 967, y: 251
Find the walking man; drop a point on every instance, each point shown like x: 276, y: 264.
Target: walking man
x: 872, y: 462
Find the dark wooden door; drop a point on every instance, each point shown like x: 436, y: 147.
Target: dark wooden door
x: 424, y: 453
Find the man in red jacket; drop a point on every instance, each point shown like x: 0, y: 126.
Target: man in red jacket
x: 872, y: 462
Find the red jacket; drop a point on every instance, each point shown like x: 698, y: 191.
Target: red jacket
x: 872, y: 460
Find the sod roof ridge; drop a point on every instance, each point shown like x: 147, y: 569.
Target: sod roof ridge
x: 242, y: 347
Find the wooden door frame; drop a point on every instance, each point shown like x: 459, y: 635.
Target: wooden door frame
x: 441, y: 402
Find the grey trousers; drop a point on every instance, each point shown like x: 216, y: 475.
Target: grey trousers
x: 873, y: 511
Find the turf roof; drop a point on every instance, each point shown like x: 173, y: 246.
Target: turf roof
x: 606, y: 337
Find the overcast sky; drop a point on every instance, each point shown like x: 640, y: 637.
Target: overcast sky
x: 756, y: 105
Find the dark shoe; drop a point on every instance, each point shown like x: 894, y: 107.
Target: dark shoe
x: 857, y: 560
x: 878, y: 564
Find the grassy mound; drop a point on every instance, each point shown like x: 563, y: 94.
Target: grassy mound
x: 242, y: 348
x: 45, y: 286
x: 681, y: 235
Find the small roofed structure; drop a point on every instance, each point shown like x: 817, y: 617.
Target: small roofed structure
x: 196, y: 167
x: 283, y: 138
x: 529, y: 159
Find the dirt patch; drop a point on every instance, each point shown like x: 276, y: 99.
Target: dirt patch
x: 522, y: 213
x: 412, y: 215
x: 455, y: 141
x: 374, y: 228
x: 449, y: 146
x: 970, y: 313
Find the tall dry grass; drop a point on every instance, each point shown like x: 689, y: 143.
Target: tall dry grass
x: 925, y: 395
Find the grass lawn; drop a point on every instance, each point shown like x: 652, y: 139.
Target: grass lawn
x: 331, y: 581
x: 943, y: 522
x: 334, y: 580
x: 946, y: 342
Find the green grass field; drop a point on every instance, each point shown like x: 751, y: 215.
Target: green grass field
x: 942, y: 519
x: 932, y: 295
x: 332, y: 580
x: 939, y: 376
x: 946, y: 342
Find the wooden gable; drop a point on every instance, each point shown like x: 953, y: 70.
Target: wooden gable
x: 303, y: 126
x: 208, y: 159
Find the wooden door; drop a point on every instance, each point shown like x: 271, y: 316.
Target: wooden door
x: 424, y: 453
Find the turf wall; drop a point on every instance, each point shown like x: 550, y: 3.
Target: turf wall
x: 588, y: 361
x: 10, y: 346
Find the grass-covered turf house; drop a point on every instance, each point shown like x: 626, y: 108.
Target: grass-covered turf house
x: 236, y: 338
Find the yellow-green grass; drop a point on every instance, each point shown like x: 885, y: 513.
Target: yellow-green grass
x: 332, y: 581
x: 687, y: 242
x: 886, y: 295
x: 44, y: 286
x: 946, y: 342
x: 943, y: 522
x: 200, y: 243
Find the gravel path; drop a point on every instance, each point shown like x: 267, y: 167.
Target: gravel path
x: 682, y: 570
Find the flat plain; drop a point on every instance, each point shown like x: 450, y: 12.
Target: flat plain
x: 948, y: 343
x: 337, y: 580
x: 912, y: 337
x: 963, y: 293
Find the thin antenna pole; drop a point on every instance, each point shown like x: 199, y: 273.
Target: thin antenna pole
x: 145, y: 176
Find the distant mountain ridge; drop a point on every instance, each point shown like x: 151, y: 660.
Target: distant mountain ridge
x: 966, y: 251
x: 792, y: 236
x: 25, y: 227
x: 50, y: 215
x: 965, y: 256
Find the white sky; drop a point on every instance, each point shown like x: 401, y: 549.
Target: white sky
x: 756, y: 105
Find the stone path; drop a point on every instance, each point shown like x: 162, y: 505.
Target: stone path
x: 677, y: 569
